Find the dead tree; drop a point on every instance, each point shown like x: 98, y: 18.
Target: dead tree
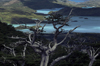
x: 93, y: 54
x: 13, y: 53
x: 46, y: 50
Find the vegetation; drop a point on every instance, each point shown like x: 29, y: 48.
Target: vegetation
x: 69, y: 3
x: 66, y: 3
x: 5, y: 32
x: 8, y: 15
x: 91, y: 3
x: 16, y: 12
x: 17, y: 48
x: 62, y: 52
x: 22, y: 11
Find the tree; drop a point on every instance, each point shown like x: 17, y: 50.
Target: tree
x: 45, y: 50
x: 93, y: 54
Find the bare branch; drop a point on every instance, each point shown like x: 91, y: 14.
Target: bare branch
x: 92, y: 54
x: 50, y: 45
x: 30, y: 38
x: 70, y: 12
x: 12, y: 51
x: 7, y: 47
x: 67, y: 19
x: 43, y: 28
x: 67, y: 35
x: 23, y: 53
x: 53, y: 48
x: 60, y: 58
x: 17, y: 38
x: 97, y: 52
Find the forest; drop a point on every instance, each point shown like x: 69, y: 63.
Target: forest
x: 33, y: 49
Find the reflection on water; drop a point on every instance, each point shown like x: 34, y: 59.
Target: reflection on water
x: 46, y: 11
x: 90, y: 25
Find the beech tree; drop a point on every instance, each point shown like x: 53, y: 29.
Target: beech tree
x: 45, y: 50
x: 93, y: 54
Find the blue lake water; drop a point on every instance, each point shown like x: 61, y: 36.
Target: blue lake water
x: 46, y: 11
x: 87, y: 25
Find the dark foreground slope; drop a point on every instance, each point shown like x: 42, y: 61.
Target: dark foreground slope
x: 7, y: 31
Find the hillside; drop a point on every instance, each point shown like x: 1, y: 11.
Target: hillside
x: 12, y: 11
x: 8, y: 30
x: 42, y: 4
x: 66, y: 2
x: 10, y: 2
x: 33, y: 4
x: 9, y: 14
x: 81, y: 11
x: 95, y: 3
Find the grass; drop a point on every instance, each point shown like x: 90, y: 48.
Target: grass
x: 8, y: 13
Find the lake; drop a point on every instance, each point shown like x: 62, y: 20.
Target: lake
x: 46, y: 11
x: 88, y: 24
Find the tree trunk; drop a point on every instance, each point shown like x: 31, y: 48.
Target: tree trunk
x: 91, y: 62
x: 45, y: 60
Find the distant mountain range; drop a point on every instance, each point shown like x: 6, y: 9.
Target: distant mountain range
x: 77, y: 11
x: 90, y: 3
x: 42, y: 4
x: 87, y: 8
x: 33, y: 4
x: 16, y: 10
x: 95, y: 3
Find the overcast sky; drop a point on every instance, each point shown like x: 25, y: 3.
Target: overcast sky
x: 78, y: 0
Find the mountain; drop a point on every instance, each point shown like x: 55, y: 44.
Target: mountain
x: 33, y: 4
x: 43, y: 4
x: 90, y: 3
x: 19, y: 10
x: 77, y: 11
x: 10, y: 2
x: 65, y: 2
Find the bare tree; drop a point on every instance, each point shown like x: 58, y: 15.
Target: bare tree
x: 46, y: 50
x: 39, y: 47
x: 93, y: 54
x: 13, y: 52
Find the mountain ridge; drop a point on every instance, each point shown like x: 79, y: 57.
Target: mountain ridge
x: 42, y: 4
x: 15, y: 10
x: 10, y: 2
x: 33, y: 4
x: 77, y: 11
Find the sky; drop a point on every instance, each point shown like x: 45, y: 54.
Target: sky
x: 78, y: 0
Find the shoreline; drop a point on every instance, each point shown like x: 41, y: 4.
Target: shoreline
x: 90, y: 39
